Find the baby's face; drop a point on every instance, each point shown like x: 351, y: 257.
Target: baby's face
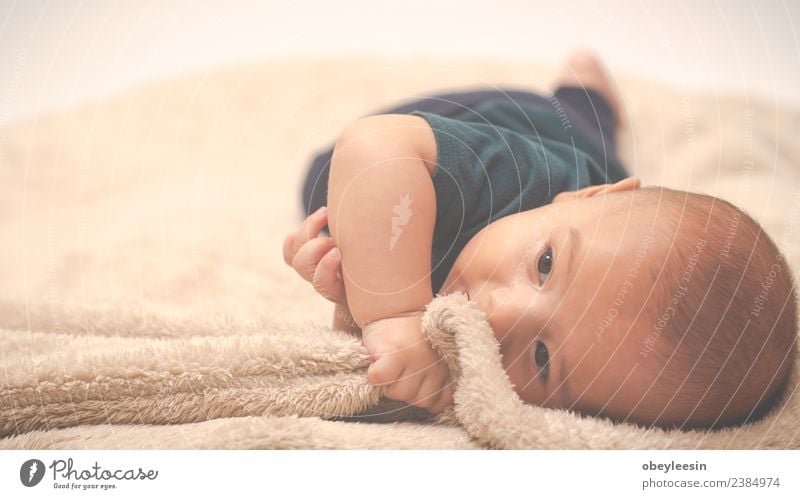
x: 553, y: 283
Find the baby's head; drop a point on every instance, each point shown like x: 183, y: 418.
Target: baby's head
x: 647, y: 305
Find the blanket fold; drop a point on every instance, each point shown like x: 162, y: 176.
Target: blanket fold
x: 170, y: 374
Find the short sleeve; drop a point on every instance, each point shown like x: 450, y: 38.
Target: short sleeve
x: 485, y: 172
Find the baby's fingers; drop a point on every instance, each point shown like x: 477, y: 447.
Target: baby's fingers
x: 434, y: 392
x: 405, y: 388
x: 428, y: 393
x: 385, y: 370
x: 445, y: 399
x: 288, y: 248
x: 308, y: 230
x: 306, y: 260
x: 328, y: 279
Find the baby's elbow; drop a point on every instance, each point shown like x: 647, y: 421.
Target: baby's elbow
x: 361, y: 138
x: 351, y: 145
x: 372, y: 139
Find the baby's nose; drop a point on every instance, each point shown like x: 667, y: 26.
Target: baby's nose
x: 502, y: 311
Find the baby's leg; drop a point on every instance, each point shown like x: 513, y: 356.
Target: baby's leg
x: 584, y: 70
x: 589, y: 100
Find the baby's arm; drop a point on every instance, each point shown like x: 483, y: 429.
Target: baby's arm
x: 343, y: 320
x: 382, y: 212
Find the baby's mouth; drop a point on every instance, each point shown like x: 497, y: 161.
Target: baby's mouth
x: 459, y: 288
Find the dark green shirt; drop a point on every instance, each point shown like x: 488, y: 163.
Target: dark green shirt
x: 499, y: 158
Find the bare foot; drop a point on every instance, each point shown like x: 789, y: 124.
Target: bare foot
x: 585, y: 70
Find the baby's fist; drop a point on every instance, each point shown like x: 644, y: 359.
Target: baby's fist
x: 406, y: 364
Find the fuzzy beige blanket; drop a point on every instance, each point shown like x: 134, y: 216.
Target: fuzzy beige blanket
x: 144, y: 300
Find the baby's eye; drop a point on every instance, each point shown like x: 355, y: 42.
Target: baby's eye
x: 541, y: 358
x: 545, y: 264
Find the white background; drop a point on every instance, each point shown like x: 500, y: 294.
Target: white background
x: 403, y: 474
x: 53, y: 53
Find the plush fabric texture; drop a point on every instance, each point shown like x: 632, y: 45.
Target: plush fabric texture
x: 145, y: 302
x: 259, y: 383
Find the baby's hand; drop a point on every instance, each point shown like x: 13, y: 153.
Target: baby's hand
x: 316, y: 258
x: 404, y: 360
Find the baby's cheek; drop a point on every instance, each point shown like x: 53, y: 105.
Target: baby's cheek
x: 522, y: 384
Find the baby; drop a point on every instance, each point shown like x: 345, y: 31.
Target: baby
x: 641, y: 304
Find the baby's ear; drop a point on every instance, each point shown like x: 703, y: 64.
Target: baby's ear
x: 626, y: 184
